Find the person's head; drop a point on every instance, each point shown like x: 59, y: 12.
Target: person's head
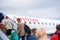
x: 58, y: 27
x: 33, y: 31
x: 41, y: 32
x: 18, y: 20
x: 6, y: 17
x: 13, y: 32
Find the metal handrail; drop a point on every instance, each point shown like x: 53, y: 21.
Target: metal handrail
x: 3, y: 36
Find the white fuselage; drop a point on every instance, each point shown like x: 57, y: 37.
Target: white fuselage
x: 48, y: 24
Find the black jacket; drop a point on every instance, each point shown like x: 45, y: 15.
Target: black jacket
x: 27, y: 29
x: 1, y: 17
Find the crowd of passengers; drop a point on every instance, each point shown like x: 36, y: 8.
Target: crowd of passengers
x: 25, y: 33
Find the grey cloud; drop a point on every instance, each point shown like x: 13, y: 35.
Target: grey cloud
x: 39, y: 8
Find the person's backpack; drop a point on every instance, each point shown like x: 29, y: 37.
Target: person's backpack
x: 27, y: 29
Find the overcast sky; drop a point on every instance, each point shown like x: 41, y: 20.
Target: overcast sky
x: 31, y: 8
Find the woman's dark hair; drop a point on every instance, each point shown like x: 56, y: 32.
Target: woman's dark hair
x: 58, y: 27
x: 33, y: 30
x: 19, y: 19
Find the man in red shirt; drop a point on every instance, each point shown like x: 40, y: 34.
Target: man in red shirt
x: 57, y: 35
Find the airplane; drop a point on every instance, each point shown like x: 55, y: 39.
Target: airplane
x: 33, y: 22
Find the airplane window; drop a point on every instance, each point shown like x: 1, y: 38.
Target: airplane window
x: 46, y: 23
x: 38, y: 23
x: 42, y: 23
x: 29, y: 22
x: 34, y: 22
x: 49, y: 23
x: 53, y: 24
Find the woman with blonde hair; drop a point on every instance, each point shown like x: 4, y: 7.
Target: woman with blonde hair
x: 41, y: 34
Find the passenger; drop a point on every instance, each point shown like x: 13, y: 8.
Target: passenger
x: 56, y: 36
x: 20, y: 29
x: 41, y: 34
x: 14, y: 35
x: 33, y: 36
x: 8, y: 25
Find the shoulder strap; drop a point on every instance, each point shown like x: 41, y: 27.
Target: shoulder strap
x: 58, y: 36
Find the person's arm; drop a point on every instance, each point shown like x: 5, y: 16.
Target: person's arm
x: 12, y: 25
x: 18, y: 29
